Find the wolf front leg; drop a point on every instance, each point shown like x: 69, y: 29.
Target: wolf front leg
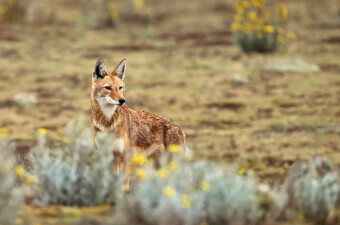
x: 122, y: 165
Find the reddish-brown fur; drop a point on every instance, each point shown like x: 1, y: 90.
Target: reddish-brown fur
x: 142, y: 132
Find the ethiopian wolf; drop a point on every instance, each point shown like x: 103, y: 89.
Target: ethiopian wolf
x: 134, y: 131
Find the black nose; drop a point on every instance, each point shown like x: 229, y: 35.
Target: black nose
x: 121, y: 101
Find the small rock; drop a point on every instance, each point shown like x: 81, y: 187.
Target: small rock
x: 239, y: 79
x: 293, y: 66
x: 25, y: 99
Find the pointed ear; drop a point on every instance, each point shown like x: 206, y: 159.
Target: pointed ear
x: 119, y: 71
x: 99, y: 70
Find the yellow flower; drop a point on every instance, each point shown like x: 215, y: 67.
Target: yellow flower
x: 258, y: 4
x: 268, y: 29
x: 138, y: 160
x: 252, y: 16
x: 205, y: 186
x: 239, y: 9
x: 168, y: 191
x: 42, y: 130
x: 292, y: 36
x: 173, y: 166
x: 3, y: 132
x: 186, y: 202
x: 235, y: 26
x: 163, y: 173
x: 245, y: 4
x: 141, y: 173
x: 280, y: 38
x: 31, y: 179
x: 139, y: 3
x: 3, y: 9
x: 283, y: 11
x: 19, y: 171
x: 315, y: 174
x: 241, y: 171
x: 174, y: 148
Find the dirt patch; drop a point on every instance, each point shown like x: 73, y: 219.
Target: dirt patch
x: 232, y: 105
x: 325, y: 26
x: 330, y: 67
x: 131, y: 47
x: 280, y: 129
x: 9, y: 37
x: 332, y: 40
x: 286, y: 103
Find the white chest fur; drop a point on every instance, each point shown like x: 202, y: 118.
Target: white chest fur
x: 118, y: 145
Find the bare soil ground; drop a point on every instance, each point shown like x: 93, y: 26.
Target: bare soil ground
x: 180, y: 67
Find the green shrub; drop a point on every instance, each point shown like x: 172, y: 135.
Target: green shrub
x: 10, y: 197
x: 258, y: 27
x: 75, y: 174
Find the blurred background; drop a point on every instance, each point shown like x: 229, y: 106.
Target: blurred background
x: 255, y: 82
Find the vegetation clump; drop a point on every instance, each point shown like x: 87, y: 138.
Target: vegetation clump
x: 260, y: 27
x: 76, y: 174
x: 12, y: 10
x: 313, y: 188
x: 186, y: 192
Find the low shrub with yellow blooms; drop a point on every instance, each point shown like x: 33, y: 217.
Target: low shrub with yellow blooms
x: 13, y: 10
x: 259, y: 27
x: 25, y: 176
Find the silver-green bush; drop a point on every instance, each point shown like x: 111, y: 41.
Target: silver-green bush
x: 193, y: 193
x: 313, y: 188
x: 10, y: 197
x: 75, y: 174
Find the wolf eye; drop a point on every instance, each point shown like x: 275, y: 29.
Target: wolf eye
x: 120, y: 87
x: 108, y: 87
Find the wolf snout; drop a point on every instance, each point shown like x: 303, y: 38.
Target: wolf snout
x: 121, y: 101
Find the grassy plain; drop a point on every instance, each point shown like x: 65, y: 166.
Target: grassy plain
x: 180, y: 66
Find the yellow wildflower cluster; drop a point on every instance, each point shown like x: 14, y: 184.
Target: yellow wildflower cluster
x: 163, y: 173
x: 27, y: 178
x: 174, y: 148
x: 185, y: 200
x: 141, y: 173
x: 205, y: 186
x: 3, y: 132
x: 42, y: 131
x: 139, y: 160
x: 169, y: 191
x: 173, y: 166
x: 254, y: 17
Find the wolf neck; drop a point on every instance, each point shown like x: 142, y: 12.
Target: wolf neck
x: 105, y: 115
